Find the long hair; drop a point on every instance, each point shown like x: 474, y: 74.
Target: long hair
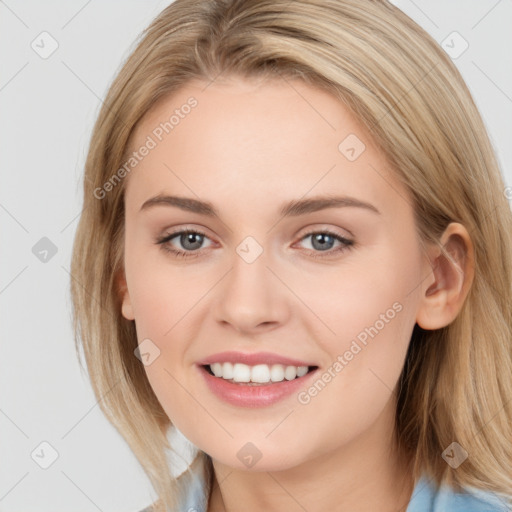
x: 456, y: 382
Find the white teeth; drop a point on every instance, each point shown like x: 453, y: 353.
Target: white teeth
x: 277, y: 373
x: 216, y: 368
x: 227, y: 371
x: 241, y: 372
x: 260, y: 373
x: 301, y: 371
x: 290, y: 372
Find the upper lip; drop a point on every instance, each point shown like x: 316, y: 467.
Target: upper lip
x: 268, y: 358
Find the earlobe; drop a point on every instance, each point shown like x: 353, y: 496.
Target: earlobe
x: 451, y: 277
x: 126, y: 304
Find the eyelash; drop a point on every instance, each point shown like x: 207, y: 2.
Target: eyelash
x: 347, y: 244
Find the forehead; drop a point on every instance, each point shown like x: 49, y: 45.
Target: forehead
x: 236, y: 107
x: 255, y: 136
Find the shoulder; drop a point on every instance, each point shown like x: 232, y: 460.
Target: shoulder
x: 473, y: 501
x: 428, y: 498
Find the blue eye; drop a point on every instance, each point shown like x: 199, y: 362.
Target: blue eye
x: 324, y: 240
x: 192, y: 240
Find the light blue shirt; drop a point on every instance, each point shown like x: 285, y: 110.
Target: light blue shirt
x: 425, y: 497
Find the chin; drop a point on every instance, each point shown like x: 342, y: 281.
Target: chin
x: 258, y: 458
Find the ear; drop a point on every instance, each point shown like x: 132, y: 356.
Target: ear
x: 444, y: 291
x: 126, y: 304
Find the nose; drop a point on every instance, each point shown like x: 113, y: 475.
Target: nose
x: 251, y: 298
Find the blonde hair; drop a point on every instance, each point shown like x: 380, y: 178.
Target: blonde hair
x: 456, y: 382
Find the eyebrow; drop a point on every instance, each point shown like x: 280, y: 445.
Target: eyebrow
x: 291, y: 209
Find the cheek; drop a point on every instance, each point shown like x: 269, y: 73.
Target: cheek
x: 159, y: 293
x: 166, y: 306
x: 364, y: 362
x: 370, y: 312
x: 363, y: 302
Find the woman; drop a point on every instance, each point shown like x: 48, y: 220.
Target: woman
x: 295, y: 250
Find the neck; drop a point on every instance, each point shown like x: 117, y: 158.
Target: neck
x: 368, y: 475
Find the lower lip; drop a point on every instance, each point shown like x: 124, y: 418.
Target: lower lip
x: 261, y: 395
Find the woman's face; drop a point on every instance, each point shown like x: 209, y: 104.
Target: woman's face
x: 278, y: 276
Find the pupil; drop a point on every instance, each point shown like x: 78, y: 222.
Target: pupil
x: 189, y: 238
x: 320, y: 237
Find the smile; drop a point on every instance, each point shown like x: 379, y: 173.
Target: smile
x: 257, y: 374
x: 257, y: 385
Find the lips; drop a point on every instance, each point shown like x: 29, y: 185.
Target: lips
x: 268, y: 358
x: 244, y: 392
x: 250, y: 395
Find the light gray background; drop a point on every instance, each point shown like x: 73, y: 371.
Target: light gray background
x: 48, y: 107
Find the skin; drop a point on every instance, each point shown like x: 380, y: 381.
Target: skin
x: 248, y: 147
